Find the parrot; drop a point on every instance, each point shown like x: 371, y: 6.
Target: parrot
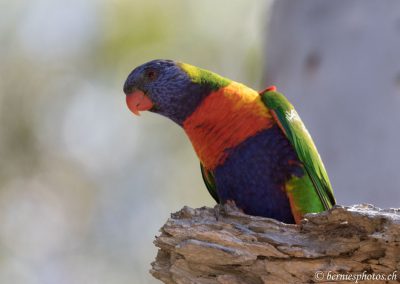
x: 254, y: 150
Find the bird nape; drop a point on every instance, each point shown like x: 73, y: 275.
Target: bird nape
x: 254, y: 150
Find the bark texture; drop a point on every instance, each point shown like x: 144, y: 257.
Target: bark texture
x: 223, y: 245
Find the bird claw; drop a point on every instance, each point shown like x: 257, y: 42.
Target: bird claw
x: 231, y: 207
x: 217, y: 211
x: 228, y: 208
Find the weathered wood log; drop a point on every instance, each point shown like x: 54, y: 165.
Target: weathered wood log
x: 223, y: 245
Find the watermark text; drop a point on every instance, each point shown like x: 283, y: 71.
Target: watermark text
x: 355, y: 277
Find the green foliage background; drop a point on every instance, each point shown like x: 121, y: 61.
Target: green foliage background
x: 84, y: 185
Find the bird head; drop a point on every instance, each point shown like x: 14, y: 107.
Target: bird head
x: 169, y: 88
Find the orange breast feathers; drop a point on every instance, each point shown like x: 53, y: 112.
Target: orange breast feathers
x: 223, y: 120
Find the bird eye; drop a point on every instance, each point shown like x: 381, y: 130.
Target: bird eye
x: 151, y: 75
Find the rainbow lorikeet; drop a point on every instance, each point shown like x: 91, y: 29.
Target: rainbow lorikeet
x: 253, y: 148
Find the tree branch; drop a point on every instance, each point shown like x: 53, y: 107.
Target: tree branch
x: 223, y: 245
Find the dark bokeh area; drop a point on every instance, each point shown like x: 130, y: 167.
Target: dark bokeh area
x: 85, y: 185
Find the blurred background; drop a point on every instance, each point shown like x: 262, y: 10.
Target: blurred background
x: 85, y: 185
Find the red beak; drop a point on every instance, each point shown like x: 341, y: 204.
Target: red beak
x: 138, y: 101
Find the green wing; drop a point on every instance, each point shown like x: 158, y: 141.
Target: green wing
x: 306, y: 200
x: 209, y: 180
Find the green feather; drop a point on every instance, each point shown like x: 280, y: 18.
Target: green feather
x: 209, y: 180
x: 306, y: 200
x: 215, y: 82
x: 204, y: 77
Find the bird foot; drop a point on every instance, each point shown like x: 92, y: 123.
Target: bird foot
x: 228, y: 208
x: 217, y: 211
x: 231, y: 207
